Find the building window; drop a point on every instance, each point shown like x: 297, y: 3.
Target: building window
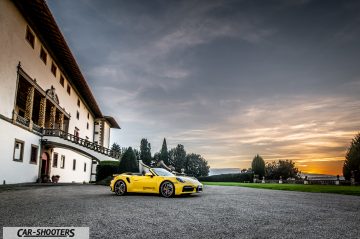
x: 78, y: 103
x: 30, y: 37
x: 55, y: 160
x: 74, y: 164
x: 62, y: 161
x: 87, y: 125
x: 62, y: 80
x: 77, y: 114
x: 43, y: 55
x: 96, y: 132
x: 18, y: 150
x: 84, y: 167
x: 53, y: 69
x: 34, y: 153
x: 68, y: 89
x: 88, y: 115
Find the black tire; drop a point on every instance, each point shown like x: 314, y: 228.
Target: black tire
x: 120, y: 188
x: 167, y: 189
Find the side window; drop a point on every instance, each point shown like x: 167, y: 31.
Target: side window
x: 33, y: 154
x: 62, y: 162
x: 30, y: 37
x: 53, y: 69
x: 43, y: 55
x: 68, y: 89
x: 18, y: 150
x: 55, y: 160
x: 62, y: 80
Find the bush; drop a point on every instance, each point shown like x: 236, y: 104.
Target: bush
x: 106, y: 169
x: 351, y: 166
x: 233, y: 177
x: 106, y: 181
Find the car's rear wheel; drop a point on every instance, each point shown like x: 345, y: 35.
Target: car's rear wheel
x: 167, y: 189
x: 120, y: 188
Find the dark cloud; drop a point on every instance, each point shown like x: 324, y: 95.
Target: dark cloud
x: 211, y: 73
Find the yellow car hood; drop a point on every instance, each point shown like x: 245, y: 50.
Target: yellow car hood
x: 189, y: 180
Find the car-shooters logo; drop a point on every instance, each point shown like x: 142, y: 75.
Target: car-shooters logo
x: 46, y: 232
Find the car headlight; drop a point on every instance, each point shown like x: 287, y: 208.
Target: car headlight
x: 180, y: 180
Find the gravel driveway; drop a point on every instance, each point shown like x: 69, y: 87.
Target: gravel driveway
x: 219, y: 212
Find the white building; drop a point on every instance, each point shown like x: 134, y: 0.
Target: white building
x: 50, y: 123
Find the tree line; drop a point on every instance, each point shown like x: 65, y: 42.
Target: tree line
x: 351, y: 168
x: 176, y: 158
x: 286, y: 168
x: 274, y: 170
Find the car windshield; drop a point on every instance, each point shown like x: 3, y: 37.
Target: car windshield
x: 162, y: 172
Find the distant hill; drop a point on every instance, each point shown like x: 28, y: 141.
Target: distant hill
x: 218, y: 171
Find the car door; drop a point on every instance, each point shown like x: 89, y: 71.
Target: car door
x: 145, y: 184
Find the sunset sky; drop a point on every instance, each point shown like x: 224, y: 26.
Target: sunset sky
x: 227, y: 79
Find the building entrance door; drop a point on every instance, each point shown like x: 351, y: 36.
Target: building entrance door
x: 44, y: 166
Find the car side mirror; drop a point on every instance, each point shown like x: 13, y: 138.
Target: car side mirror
x: 149, y: 174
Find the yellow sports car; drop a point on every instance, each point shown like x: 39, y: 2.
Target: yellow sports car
x: 155, y: 180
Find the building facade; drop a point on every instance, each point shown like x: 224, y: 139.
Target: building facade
x: 50, y: 122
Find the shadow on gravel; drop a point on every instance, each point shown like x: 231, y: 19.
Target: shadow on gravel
x: 30, y: 186
x: 153, y: 195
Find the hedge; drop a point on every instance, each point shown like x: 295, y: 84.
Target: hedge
x: 106, y: 169
x: 231, y: 177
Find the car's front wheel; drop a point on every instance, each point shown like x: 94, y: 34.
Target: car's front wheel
x: 167, y: 189
x: 120, y: 188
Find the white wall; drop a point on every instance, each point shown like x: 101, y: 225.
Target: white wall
x: 67, y: 174
x: 97, y: 131
x: 20, y: 172
x: 14, y: 48
x: 12, y: 171
x: 106, y: 135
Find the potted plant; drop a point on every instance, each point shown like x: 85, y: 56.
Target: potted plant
x: 55, y: 178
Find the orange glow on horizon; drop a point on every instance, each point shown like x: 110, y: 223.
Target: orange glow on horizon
x: 325, y: 167
x: 311, y: 166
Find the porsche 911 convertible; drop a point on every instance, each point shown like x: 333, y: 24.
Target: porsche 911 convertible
x: 155, y: 180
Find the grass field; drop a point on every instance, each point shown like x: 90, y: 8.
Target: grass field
x: 348, y: 190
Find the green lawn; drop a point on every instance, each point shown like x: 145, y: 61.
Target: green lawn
x: 349, y: 190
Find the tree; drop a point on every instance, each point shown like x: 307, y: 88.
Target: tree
x: 115, y: 148
x: 128, y: 162
x: 171, y: 157
x: 352, y: 159
x: 164, y: 154
x: 145, y: 152
x: 284, y: 168
x: 178, y: 159
x: 196, y: 166
x: 106, y: 169
x: 137, y: 154
x: 258, y: 166
x: 156, y: 158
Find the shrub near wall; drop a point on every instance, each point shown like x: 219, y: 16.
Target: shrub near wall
x: 233, y: 177
x: 106, y: 169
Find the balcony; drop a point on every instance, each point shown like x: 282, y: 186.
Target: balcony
x: 21, y: 120
x: 82, y: 142
x: 59, y: 138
